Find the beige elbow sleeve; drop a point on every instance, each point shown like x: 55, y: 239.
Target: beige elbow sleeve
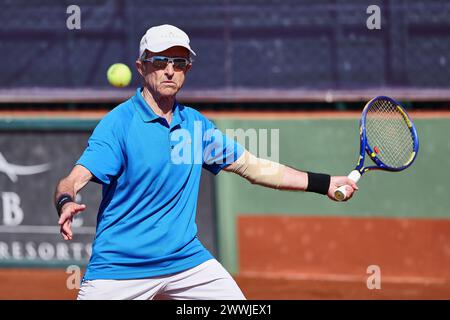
x: 259, y: 171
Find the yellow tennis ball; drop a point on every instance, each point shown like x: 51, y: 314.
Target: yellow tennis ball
x: 119, y: 75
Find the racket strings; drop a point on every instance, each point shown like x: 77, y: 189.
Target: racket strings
x: 387, y: 130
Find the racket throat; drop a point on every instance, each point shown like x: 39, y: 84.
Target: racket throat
x: 355, y: 175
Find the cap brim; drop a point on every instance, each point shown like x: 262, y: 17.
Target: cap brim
x: 166, y: 45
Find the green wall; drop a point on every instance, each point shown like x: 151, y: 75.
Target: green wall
x: 331, y: 146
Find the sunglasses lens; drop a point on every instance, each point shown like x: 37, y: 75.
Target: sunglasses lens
x: 160, y: 63
x: 180, y: 64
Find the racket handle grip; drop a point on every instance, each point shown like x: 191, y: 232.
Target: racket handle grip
x: 340, y: 194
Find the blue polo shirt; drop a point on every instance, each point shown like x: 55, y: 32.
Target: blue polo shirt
x: 150, y: 171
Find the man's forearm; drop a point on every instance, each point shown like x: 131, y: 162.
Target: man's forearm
x: 258, y: 171
x: 306, y: 181
x: 73, y: 183
x: 294, y: 180
x: 287, y: 178
x: 278, y: 176
x: 65, y: 186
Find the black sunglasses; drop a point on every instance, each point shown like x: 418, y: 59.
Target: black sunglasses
x: 161, y: 62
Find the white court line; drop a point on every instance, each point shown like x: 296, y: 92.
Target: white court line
x: 43, y: 229
x: 342, y: 278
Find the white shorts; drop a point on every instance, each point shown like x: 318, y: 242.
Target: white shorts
x: 207, y: 281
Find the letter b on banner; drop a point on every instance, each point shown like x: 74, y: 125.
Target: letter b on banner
x: 12, y: 212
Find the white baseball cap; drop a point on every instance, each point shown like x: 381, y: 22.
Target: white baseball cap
x: 163, y: 37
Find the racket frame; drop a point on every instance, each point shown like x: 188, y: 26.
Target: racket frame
x: 365, y: 147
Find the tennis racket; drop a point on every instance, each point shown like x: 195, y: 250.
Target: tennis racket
x: 388, y: 136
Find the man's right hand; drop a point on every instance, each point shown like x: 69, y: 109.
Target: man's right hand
x: 68, y: 211
x: 338, y: 181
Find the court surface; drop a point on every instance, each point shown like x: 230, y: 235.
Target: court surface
x: 37, y: 284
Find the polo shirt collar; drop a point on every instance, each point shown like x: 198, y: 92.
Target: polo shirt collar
x: 147, y: 114
x: 143, y: 108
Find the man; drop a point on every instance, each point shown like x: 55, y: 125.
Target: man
x: 146, y: 245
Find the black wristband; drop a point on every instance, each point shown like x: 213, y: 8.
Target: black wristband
x: 318, y: 182
x: 62, y: 200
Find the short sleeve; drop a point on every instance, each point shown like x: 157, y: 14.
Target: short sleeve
x: 103, y: 156
x: 219, y: 150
